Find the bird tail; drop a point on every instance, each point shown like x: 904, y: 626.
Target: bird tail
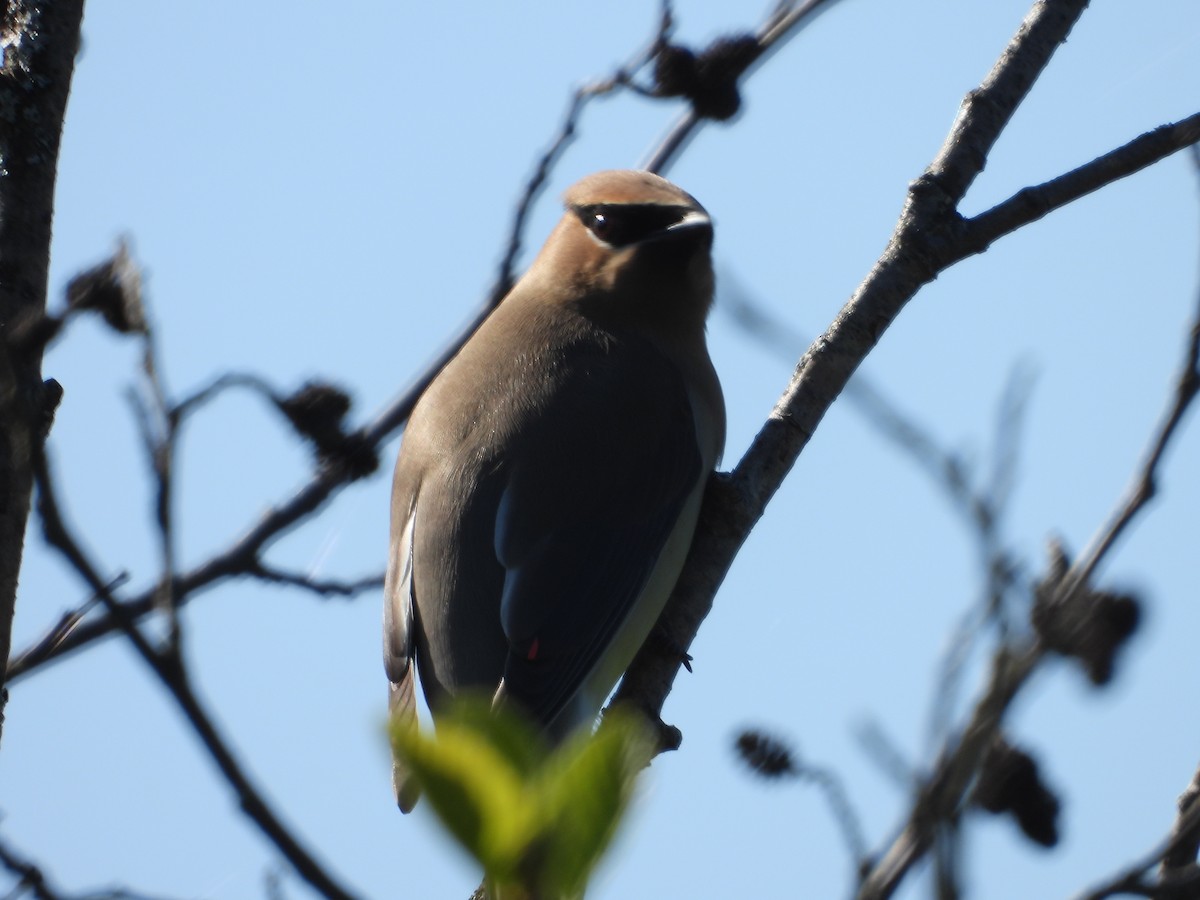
x: 402, y: 706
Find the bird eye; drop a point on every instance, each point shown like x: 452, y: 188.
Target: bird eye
x: 620, y: 225
x: 600, y: 225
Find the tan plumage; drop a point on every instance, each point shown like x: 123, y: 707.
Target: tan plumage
x: 549, y: 480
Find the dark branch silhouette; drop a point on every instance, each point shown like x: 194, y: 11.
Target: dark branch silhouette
x: 38, y: 61
x: 31, y: 878
x: 167, y: 663
x: 929, y: 237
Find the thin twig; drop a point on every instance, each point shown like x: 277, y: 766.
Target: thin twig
x: 1145, y: 483
x: 782, y: 24
x: 322, y: 587
x: 831, y: 787
x: 157, y: 426
x: 240, y: 558
x: 1185, y: 834
x: 772, y: 759
x: 1178, y: 875
x: 879, y: 747
x: 946, y: 468
x: 982, y: 508
x: 1175, y: 882
x: 1013, y: 666
x: 68, y: 622
x: 947, y: 854
x: 246, y: 380
x: 1032, y: 203
x: 34, y: 880
x: 941, y: 796
x: 580, y: 98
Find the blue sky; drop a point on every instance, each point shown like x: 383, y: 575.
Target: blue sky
x: 320, y: 190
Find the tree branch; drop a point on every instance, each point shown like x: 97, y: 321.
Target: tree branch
x: 786, y: 21
x: 39, y: 41
x: 243, y: 556
x: 1179, y: 876
x: 930, y: 236
x: 168, y: 665
x: 323, y: 587
x: 35, y: 881
x: 580, y: 98
x: 927, y: 239
x: 31, y: 876
x: 1032, y: 203
x: 944, y: 792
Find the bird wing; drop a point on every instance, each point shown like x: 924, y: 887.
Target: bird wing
x: 398, y: 652
x: 591, y: 498
x: 398, y: 601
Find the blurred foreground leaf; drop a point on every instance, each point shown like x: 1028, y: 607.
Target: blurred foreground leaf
x: 537, y: 820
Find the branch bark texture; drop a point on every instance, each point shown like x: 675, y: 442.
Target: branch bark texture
x: 39, y: 41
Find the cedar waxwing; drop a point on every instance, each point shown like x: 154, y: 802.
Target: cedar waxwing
x: 550, y: 478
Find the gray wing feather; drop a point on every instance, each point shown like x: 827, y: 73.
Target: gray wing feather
x: 398, y: 653
x: 398, y: 604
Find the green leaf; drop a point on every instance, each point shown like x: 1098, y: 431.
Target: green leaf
x: 585, y: 789
x: 511, y: 734
x: 475, y: 790
x: 537, y: 822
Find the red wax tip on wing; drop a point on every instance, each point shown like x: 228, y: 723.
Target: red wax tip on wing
x: 533, y: 649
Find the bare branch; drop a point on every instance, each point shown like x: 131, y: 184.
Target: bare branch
x: 784, y: 22
x: 947, y: 853
x: 1184, y: 844
x: 39, y: 43
x: 987, y: 110
x: 31, y: 876
x: 941, y: 796
x: 34, y: 880
x: 982, y: 507
x: 1145, y: 484
x: 928, y: 238
x: 157, y: 425
x: 1014, y: 665
x: 947, y: 469
x: 1032, y: 203
x: 1179, y: 876
x: 246, y: 380
x: 239, y: 559
x: 882, y: 750
x: 770, y: 758
x: 168, y: 665
x: 622, y: 77
x: 67, y: 623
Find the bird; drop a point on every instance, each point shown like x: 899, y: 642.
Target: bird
x: 549, y: 480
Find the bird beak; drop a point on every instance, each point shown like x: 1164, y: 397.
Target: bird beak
x: 689, y: 225
x: 690, y: 222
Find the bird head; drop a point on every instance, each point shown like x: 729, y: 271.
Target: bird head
x: 631, y: 248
